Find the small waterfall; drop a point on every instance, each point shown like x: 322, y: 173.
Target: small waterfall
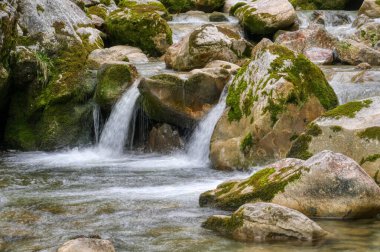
x: 198, y: 148
x: 115, y: 132
x: 96, y: 117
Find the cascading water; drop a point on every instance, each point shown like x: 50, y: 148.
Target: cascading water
x: 114, y: 134
x: 96, y: 118
x: 198, y: 149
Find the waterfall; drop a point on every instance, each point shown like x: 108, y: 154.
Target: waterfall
x: 198, y: 148
x: 96, y: 117
x: 115, y: 132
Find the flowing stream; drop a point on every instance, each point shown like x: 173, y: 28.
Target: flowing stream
x: 146, y: 202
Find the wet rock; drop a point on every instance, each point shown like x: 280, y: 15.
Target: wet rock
x: 209, y: 5
x: 315, y: 42
x: 364, y: 66
x: 370, y: 8
x: 265, y: 222
x: 271, y: 100
x: 164, y: 139
x: 140, y: 27
x: 114, y: 78
x: 8, y: 35
x: 121, y: 53
x: 354, y: 53
x: 183, y: 99
x: 352, y: 129
x: 218, y: 17
x: 204, y: 45
x: 263, y: 17
x: 320, y: 5
x: 320, y: 56
x: 327, y: 185
x: 178, y: 6
x: 87, y: 245
x: 53, y: 110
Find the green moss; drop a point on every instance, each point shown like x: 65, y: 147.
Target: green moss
x: 157, y: 7
x: 264, y: 186
x: 144, y: 29
x: 348, y: 110
x: 98, y: 10
x: 177, y: 6
x: 371, y: 158
x: 223, y: 224
x: 300, y: 146
x: 336, y: 128
x: 313, y: 130
x: 372, y: 133
x: 247, y: 143
x: 105, y: 2
x: 40, y: 8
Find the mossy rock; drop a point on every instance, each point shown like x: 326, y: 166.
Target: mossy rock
x: 209, y: 5
x: 320, y: 4
x: 146, y: 6
x: 349, y: 129
x: 327, y: 185
x: 178, y: 6
x: 268, y: 103
x: 144, y: 29
x: 113, y: 80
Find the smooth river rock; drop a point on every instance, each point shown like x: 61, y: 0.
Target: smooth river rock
x: 265, y: 222
x: 87, y: 245
x: 327, y: 185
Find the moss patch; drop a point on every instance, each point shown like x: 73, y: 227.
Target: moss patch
x: 300, y: 147
x: 348, y: 110
x: 247, y: 143
x: 371, y: 158
x: 372, y: 133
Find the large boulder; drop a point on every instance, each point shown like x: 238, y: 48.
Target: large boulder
x: 263, y: 17
x: 270, y: 101
x: 183, y: 99
x: 265, y: 222
x: 352, y: 129
x: 119, y: 53
x: 314, y: 42
x: 371, y: 8
x: 206, y: 44
x: 114, y: 79
x: 327, y: 185
x: 146, y: 5
x: 141, y: 27
x: 87, y: 245
x: 50, y: 108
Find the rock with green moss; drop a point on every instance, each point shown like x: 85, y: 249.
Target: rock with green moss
x: 314, y: 42
x: 263, y: 17
x: 353, y: 52
x: 272, y: 99
x: 8, y: 31
x: 51, y: 108
x: 352, y: 129
x: 113, y: 79
x: 209, y: 5
x: 327, y: 185
x: 321, y: 4
x: 177, y: 6
x: 146, y: 6
x: 370, y: 8
x: 206, y: 44
x: 183, y: 99
x: 368, y: 32
x: 265, y: 222
x: 143, y: 28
